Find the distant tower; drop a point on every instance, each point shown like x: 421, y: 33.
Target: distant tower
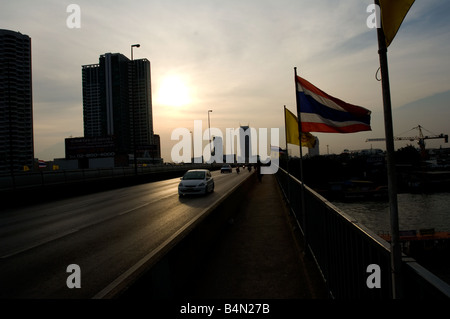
x: 217, y: 152
x: 16, y: 102
x: 315, y: 150
x: 246, y: 156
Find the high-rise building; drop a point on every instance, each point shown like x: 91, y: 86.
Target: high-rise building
x: 141, y: 101
x: 16, y: 102
x: 92, y: 115
x: 117, y: 102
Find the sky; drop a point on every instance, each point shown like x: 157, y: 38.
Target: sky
x: 237, y: 58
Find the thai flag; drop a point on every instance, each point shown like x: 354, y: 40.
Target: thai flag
x: 42, y: 164
x: 320, y: 112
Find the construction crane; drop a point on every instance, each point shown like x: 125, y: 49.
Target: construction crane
x: 421, y: 139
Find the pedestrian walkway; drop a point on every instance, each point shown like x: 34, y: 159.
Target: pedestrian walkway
x: 258, y: 256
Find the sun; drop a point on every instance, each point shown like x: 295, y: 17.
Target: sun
x: 173, y: 92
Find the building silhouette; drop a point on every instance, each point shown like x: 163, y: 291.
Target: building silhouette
x: 246, y: 146
x: 217, y: 151
x: 117, y: 103
x: 315, y: 151
x: 16, y: 102
x: 92, y: 113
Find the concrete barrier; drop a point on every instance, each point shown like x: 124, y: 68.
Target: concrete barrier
x: 165, y: 272
x: 38, y: 188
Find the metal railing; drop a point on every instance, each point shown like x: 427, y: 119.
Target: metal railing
x: 344, y: 249
x: 45, y: 178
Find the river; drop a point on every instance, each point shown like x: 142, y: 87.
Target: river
x: 415, y: 211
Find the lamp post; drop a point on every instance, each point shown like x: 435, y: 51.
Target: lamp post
x: 133, y: 109
x: 209, y: 131
x: 134, y: 46
x: 192, y: 148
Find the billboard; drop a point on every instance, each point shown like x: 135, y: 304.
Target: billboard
x: 90, y: 147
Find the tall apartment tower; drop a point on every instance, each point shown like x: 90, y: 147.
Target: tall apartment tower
x: 117, y: 102
x: 92, y: 115
x: 16, y: 102
x: 141, y: 100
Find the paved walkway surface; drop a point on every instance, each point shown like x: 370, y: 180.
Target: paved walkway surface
x: 258, y: 256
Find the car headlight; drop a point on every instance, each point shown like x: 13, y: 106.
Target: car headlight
x: 202, y: 184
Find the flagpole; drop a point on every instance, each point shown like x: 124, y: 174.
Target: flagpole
x: 287, y: 156
x: 396, y: 253
x: 285, y: 129
x: 285, y: 134
x: 305, y: 234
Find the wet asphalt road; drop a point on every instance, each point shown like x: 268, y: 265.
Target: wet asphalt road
x: 104, y: 234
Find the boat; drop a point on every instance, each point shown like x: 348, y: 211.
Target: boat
x: 352, y: 190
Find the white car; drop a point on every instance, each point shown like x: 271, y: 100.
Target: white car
x: 226, y: 168
x: 196, y: 181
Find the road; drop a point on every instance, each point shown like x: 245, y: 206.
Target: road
x: 104, y: 234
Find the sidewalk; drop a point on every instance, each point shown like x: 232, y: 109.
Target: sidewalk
x: 258, y: 256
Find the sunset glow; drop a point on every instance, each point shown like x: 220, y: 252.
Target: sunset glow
x: 173, y: 92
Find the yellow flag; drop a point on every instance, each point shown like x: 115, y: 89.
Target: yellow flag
x: 308, y: 140
x: 392, y: 15
x: 291, y: 128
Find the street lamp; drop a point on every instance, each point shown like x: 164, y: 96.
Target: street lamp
x: 192, y: 148
x: 134, y: 46
x: 209, y: 131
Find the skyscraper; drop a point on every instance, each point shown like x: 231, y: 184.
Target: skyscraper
x: 16, y: 102
x: 92, y: 115
x: 117, y: 102
x: 141, y: 101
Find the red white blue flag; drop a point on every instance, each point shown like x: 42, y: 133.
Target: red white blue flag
x: 320, y: 112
